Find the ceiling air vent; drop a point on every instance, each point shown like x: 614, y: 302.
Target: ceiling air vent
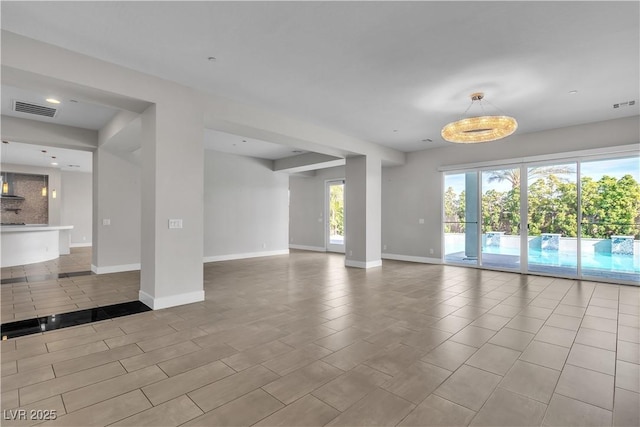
x: 624, y: 104
x: 38, y: 110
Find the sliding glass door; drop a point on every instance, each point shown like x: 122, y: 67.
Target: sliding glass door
x: 610, y: 200
x: 576, y: 219
x: 501, y: 218
x: 552, y: 218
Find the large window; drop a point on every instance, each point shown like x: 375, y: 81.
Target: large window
x: 578, y: 219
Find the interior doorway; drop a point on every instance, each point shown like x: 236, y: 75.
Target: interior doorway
x: 335, y: 223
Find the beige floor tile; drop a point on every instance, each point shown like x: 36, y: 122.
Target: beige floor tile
x: 526, y: 324
x: 257, y: 355
x: 395, y: 359
x: 449, y: 355
x: 135, y: 337
x: 596, y: 338
x: 494, y: 358
x: 342, y: 339
x: 307, y: 411
x: 351, y: 386
x: 306, y: 336
x: 600, y: 324
x: 593, y: 358
x: 534, y: 381
x: 491, y: 321
x: 352, y: 355
x: 628, y: 352
x: 378, y: 408
x: 628, y: 376
x: 60, y: 385
x: 86, y: 396
x: 232, y: 387
x: 9, y: 368
x: 185, y: 382
x: 557, y: 336
x: 436, y: 411
x: 296, y: 359
x: 172, y: 413
x: 510, y: 409
x: 26, y: 378
x: 469, y: 387
x: 58, y: 356
x: 566, y: 412
x: 512, y: 338
x: 243, y: 411
x: 628, y: 333
x: 151, y: 344
x: 106, y: 412
x: 24, y: 352
x: 626, y: 408
x: 544, y: 354
x: 95, y: 359
x: 427, y: 339
x: 587, y: 386
x: 160, y: 355
x: 298, y: 383
x: 607, y: 313
x: 417, y: 382
x: 451, y: 323
x: 196, y: 359
x: 473, y: 336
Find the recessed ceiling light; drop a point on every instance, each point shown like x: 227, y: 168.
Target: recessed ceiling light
x: 212, y: 58
x: 54, y: 163
x: 395, y: 130
x: 52, y: 101
x: 427, y: 140
x: 244, y: 140
x: 73, y: 100
x: 296, y: 151
x: 573, y: 92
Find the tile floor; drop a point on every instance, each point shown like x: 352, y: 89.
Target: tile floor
x: 302, y: 340
x: 78, y: 260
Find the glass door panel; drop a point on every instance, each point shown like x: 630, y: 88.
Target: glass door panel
x: 501, y: 218
x: 610, y: 198
x: 461, y: 218
x: 552, y: 219
x: 335, y: 216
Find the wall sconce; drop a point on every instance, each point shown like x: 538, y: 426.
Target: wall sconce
x: 53, y: 193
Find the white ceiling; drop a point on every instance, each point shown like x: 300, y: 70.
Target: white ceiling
x: 32, y: 155
x: 234, y: 144
x: 389, y: 72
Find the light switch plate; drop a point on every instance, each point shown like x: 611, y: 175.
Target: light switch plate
x: 106, y: 221
x: 175, y: 223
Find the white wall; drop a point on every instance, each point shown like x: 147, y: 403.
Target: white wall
x: 76, y: 200
x: 245, y: 207
x: 413, y: 191
x: 306, y: 213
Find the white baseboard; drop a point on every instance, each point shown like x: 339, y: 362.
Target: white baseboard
x: 362, y: 264
x: 308, y: 248
x: 229, y: 257
x: 115, y: 268
x: 80, y: 245
x: 171, y: 300
x: 410, y: 258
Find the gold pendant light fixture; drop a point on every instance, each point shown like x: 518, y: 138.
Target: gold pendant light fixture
x: 477, y: 129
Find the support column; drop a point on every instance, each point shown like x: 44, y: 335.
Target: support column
x: 363, y: 208
x: 172, y: 193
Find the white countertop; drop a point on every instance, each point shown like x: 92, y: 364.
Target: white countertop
x: 33, y: 227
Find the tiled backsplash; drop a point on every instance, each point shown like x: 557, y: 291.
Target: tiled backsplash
x: 34, y: 209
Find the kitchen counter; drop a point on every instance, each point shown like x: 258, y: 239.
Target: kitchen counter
x: 31, y: 243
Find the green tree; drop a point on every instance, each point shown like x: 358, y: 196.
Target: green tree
x: 513, y: 175
x: 336, y: 210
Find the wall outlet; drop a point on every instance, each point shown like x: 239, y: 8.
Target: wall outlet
x: 421, y: 221
x: 384, y: 247
x: 84, y: 238
x: 106, y: 221
x: 431, y: 251
x: 264, y: 246
x: 175, y: 223
x: 350, y: 253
